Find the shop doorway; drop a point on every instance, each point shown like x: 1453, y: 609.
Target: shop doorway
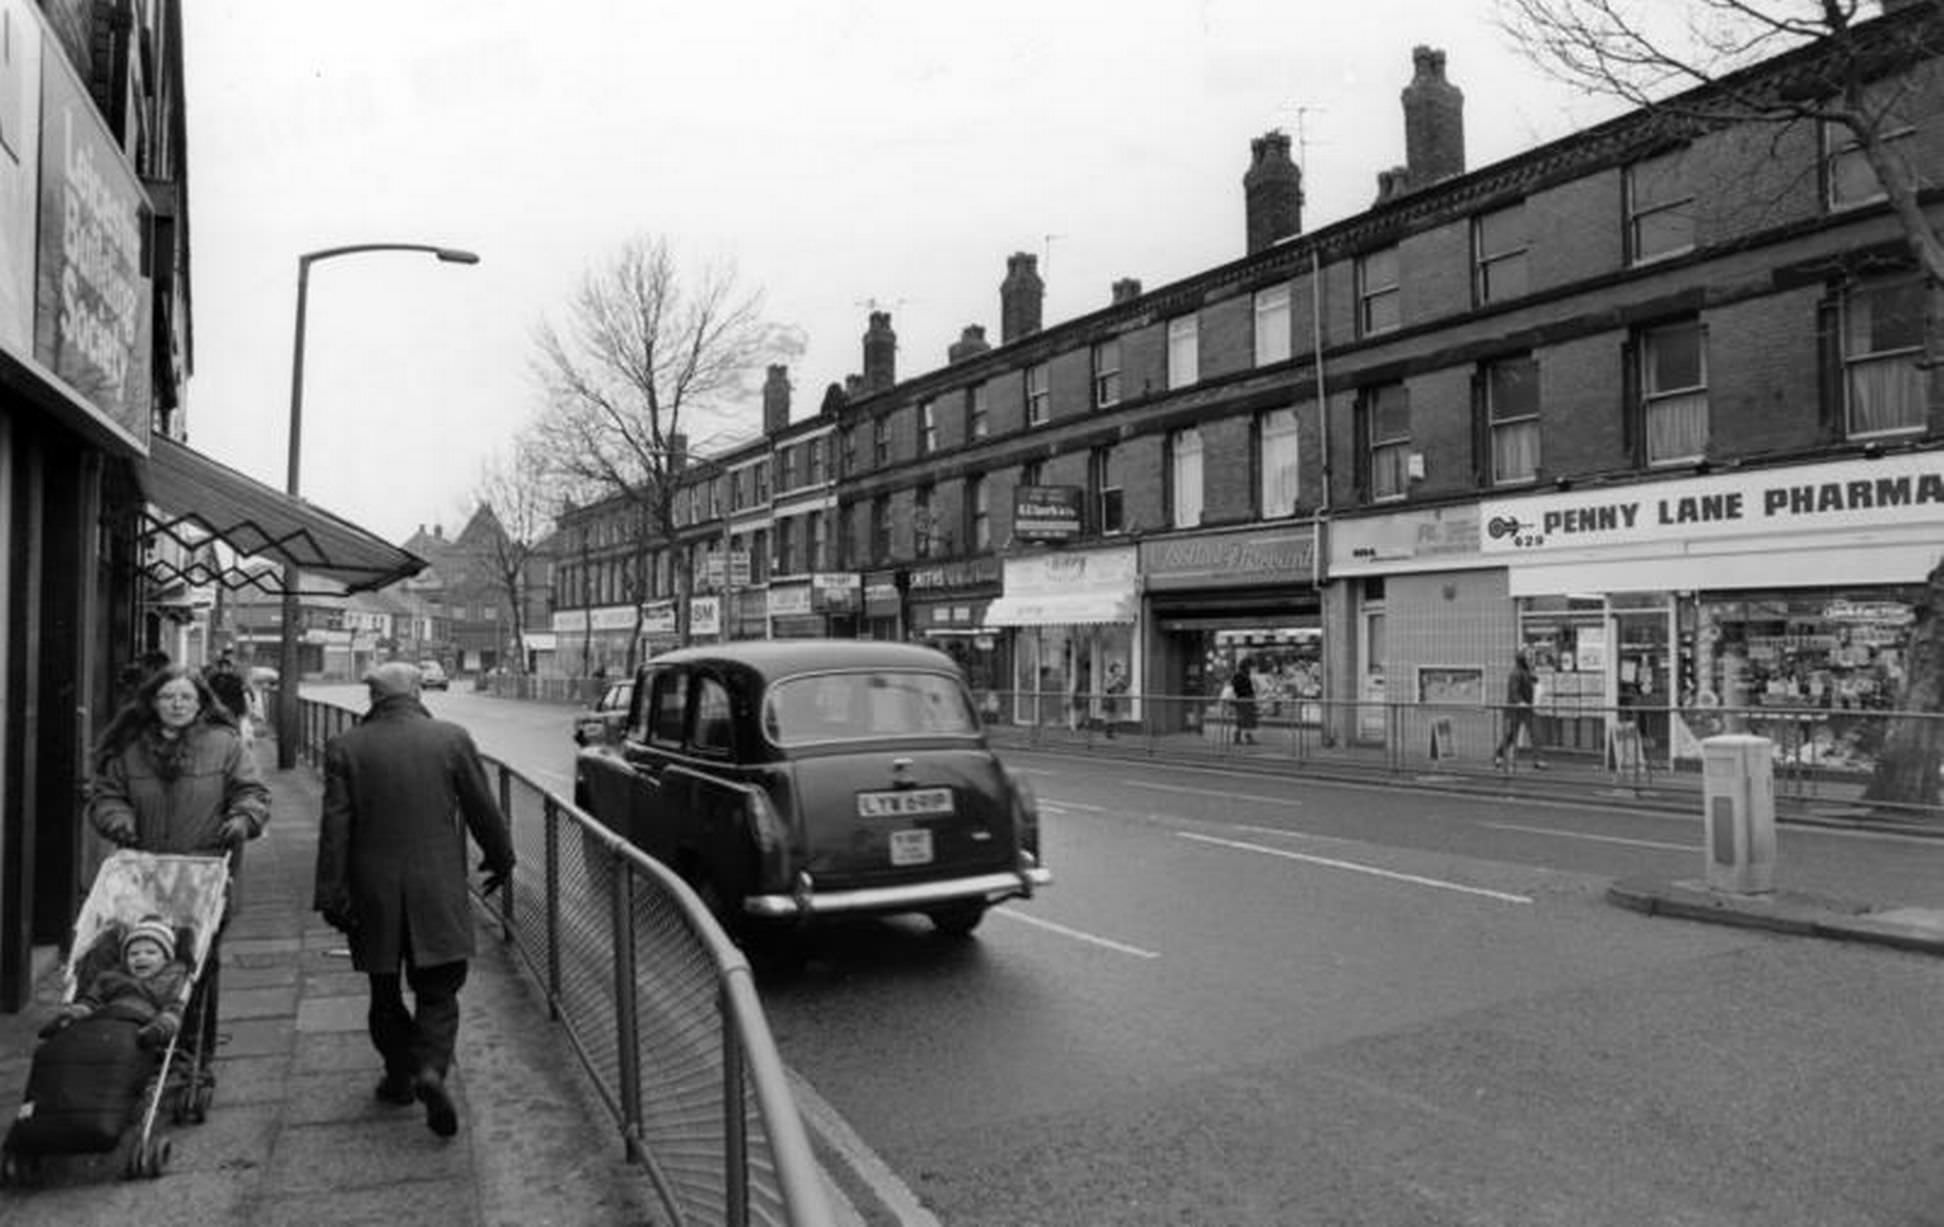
x: 1643, y: 676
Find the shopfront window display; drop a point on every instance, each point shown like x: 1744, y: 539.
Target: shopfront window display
x: 1061, y: 673
x: 1287, y: 663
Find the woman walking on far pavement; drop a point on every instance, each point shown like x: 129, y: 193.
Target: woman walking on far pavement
x: 172, y: 775
x: 1521, y: 688
x: 1245, y: 701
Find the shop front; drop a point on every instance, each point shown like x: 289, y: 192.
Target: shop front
x: 1674, y: 610
x: 883, y: 607
x: 838, y: 598
x: 591, y: 641
x: 749, y: 613
x: 947, y: 609
x: 1070, y: 617
x: 1216, y: 600
x: 789, y: 612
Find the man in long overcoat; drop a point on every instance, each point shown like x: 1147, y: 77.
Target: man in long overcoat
x: 401, y: 791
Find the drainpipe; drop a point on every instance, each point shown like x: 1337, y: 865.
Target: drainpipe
x: 1323, y: 426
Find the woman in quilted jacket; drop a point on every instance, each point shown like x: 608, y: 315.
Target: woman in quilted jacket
x: 172, y: 775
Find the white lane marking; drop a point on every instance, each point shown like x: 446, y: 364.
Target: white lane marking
x: 1206, y: 792
x: 893, y: 1194
x: 1107, y: 942
x: 1079, y: 805
x: 1354, y: 867
x: 1601, y: 839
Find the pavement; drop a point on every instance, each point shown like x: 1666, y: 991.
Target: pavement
x: 294, y: 1135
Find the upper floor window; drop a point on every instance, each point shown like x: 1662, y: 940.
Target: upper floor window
x: 1105, y: 480
x: 1660, y: 208
x: 850, y: 451
x: 1511, y: 391
x: 977, y: 423
x: 1185, y: 478
x: 786, y: 560
x: 1848, y: 178
x: 1883, y: 339
x: 1499, y: 254
x: 1277, y: 457
x: 881, y: 529
x: 1032, y: 473
x: 1106, y: 374
x: 1184, y: 350
x: 762, y: 483
x: 819, y: 459
x: 786, y: 469
x: 1387, y: 413
x: 1674, y: 391
x: 1378, y: 300
x: 759, y: 568
x: 819, y: 542
x: 924, y: 531
x: 881, y: 440
x: 1037, y: 387
x: 927, y: 428
x: 1272, y: 325
x: 978, y: 505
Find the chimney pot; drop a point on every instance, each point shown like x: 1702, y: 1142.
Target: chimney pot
x: 1127, y: 289
x: 1022, y: 296
x: 880, y: 353
x: 971, y: 341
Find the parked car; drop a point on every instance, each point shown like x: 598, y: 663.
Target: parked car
x: 602, y: 723
x: 432, y: 675
x: 788, y: 780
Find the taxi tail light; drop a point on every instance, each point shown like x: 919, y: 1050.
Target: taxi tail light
x: 768, y: 835
x: 1025, y: 805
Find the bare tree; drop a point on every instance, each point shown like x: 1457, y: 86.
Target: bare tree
x: 517, y: 489
x: 1705, y: 64
x: 647, y: 359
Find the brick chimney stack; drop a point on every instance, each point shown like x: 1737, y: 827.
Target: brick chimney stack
x: 1434, y: 121
x: 776, y: 399
x: 1272, y: 191
x: 1127, y: 289
x: 880, y: 353
x: 1021, y: 296
x: 970, y: 343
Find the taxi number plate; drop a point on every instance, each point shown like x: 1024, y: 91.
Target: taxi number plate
x: 913, y: 847
x: 908, y: 801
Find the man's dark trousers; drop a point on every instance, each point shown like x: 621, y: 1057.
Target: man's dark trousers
x: 409, y: 1043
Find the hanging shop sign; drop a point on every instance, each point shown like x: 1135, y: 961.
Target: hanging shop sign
x: 1433, y: 539
x: 91, y: 302
x: 1046, y: 513
x: 1285, y: 555
x: 606, y: 618
x: 789, y: 600
x: 836, y: 592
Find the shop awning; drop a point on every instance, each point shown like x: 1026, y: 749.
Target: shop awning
x: 192, y: 498
x: 1064, y: 608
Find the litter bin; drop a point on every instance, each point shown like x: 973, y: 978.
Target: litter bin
x: 1738, y: 799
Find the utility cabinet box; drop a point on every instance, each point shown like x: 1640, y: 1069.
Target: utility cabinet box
x: 1738, y: 796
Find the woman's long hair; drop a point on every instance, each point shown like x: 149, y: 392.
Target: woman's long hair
x: 137, y: 718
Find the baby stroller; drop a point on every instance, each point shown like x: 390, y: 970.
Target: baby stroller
x: 92, y: 1082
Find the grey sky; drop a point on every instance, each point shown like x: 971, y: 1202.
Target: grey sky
x: 841, y: 152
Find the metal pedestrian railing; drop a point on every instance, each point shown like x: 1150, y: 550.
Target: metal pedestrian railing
x: 659, y: 1006
x: 1823, y: 755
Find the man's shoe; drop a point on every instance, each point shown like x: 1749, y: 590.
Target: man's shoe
x: 395, y: 1089
x: 440, y: 1116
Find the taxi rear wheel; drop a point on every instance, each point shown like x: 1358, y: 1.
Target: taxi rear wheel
x: 959, y: 919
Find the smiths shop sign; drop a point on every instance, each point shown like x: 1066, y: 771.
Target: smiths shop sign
x: 1046, y: 513
x: 1894, y: 491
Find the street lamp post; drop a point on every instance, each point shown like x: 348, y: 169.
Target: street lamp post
x: 288, y: 720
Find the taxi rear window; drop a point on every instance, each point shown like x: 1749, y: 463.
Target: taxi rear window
x: 867, y: 706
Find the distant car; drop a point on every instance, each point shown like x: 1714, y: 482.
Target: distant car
x: 788, y: 780
x: 602, y: 723
x: 262, y: 675
x: 432, y: 675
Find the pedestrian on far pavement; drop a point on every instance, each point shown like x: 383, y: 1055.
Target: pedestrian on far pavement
x: 1245, y: 701
x: 391, y: 874
x: 228, y: 685
x: 1521, y: 689
x: 171, y: 775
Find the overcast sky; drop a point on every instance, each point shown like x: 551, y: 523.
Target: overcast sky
x: 842, y: 153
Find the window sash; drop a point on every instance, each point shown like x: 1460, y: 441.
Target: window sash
x: 1660, y: 208
x: 976, y: 424
x: 979, y: 499
x: 1515, y: 451
x: 927, y: 429
x: 1186, y: 447
x: 1036, y: 395
x: 1677, y: 427
x: 1280, y: 467
x: 1390, y: 469
x: 1106, y: 374
x: 880, y: 441
x: 1884, y: 394
x: 1272, y: 340
x: 1377, y: 292
x: 1184, y: 351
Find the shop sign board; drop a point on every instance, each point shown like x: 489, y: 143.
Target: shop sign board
x: 881, y: 598
x: 705, y: 615
x: 1046, y: 513
x: 1232, y: 560
x: 606, y: 618
x: 971, y: 573
x: 789, y: 600
x: 836, y: 592
x: 1113, y: 570
x: 658, y: 618
x: 20, y: 68
x: 1891, y: 491
x: 1435, y: 538
x: 91, y: 302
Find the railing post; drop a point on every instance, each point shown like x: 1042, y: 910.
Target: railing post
x: 735, y: 1124
x: 551, y: 887
x: 506, y: 891
x: 626, y: 1024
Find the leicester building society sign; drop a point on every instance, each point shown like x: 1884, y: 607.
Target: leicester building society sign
x: 1894, y: 491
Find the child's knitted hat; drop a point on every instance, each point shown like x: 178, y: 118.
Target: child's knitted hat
x: 151, y: 928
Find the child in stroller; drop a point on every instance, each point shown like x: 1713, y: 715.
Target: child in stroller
x: 111, y: 1054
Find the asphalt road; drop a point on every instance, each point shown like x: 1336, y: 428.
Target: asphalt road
x: 1252, y: 1000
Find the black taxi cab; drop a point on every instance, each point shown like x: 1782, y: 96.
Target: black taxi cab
x: 788, y: 780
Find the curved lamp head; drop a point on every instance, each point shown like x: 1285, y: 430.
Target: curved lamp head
x: 453, y: 255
